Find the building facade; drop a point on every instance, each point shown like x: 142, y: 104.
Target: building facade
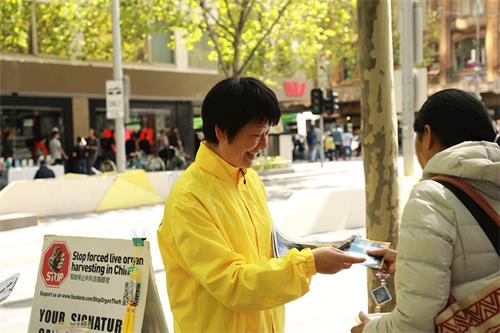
x: 457, y: 63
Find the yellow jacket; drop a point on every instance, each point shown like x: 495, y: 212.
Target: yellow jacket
x: 215, y: 240
x: 329, y: 143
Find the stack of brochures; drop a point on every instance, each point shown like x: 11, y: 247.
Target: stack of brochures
x: 354, y: 245
x: 283, y: 244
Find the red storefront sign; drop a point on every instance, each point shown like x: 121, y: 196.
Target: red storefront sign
x: 295, y: 88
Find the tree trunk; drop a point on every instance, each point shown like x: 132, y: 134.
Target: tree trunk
x: 378, y: 120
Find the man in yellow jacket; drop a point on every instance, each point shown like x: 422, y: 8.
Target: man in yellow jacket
x: 215, y: 237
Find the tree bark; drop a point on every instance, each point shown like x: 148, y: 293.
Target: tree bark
x: 378, y: 121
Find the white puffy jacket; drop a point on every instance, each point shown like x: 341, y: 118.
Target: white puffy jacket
x: 442, y: 248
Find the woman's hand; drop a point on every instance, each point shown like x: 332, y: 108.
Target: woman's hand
x: 364, y: 320
x: 329, y: 260
x: 389, y: 255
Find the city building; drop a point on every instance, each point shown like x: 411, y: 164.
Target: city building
x: 462, y: 24
x: 40, y: 91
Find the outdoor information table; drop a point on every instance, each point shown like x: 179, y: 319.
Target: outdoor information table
x: 28, y: 173
x: 96, y: 285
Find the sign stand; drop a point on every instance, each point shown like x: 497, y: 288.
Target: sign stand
x: 85, y: 285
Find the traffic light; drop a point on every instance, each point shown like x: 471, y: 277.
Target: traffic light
x: 331, y: 104
x: 316, y: 101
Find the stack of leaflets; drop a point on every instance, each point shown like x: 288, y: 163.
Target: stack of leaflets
x: 354, y: 245
x: 359, y: 248
x: 282, y: 244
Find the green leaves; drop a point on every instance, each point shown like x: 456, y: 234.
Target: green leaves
x: 14, y: 26
x: 253, y: 37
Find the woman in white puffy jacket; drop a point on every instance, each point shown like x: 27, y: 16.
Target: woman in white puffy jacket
x: 442, y: 249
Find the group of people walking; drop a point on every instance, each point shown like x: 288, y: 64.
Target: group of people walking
x: 338, y: 144
x: 82, y: 157
x: 216, y: 234
x: 90, y: 153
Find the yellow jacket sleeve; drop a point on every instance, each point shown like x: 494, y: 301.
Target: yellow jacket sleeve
x: 206, y: 253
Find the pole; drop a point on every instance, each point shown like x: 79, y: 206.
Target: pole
x: 407, y: 53
x: 477, y: 67
x: 322, y: 144
x: 118, y: 75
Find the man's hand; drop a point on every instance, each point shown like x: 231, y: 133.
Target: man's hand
x: 364, y: 320
x: 389, y: 259
x: 330, y: 260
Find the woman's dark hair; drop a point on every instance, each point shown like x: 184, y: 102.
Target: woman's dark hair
x: 455, y: 116
x: 234, y: 102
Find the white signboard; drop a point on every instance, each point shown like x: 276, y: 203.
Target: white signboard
x: 87, y: 285
x: 114, y: 99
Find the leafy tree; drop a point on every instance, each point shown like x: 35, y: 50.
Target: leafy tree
x: 57, y: 24
x: 431, y: 37
x: 79, y: 29
x: 14, y: 26
x: 341, y: 46
x: 255, y: 37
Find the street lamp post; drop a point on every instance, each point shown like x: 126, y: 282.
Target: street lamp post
x: 477, y: 67
x: 407, y: 61
x: 118, y: 75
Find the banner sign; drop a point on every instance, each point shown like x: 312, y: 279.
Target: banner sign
x: 95, y: 285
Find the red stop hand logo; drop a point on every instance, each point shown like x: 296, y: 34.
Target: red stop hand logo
x: 55, y: 265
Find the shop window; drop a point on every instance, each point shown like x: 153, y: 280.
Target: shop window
x: 143, y: 121
x: 465, y: 53
x: 27, y: 126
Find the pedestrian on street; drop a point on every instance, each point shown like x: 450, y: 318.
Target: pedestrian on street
x: 338, y: 139
x: 40, y: 148
x: 329, y: 146
x: 443, y: 252
x: 347, y: 143
x: 108, y: 145
x: 44, y: 171
x: 313, y: 141
x: 57, y: 153
x: 215, y: 236
x: 78, y: 159
x: 7, y: 145
x: 91, y: 150
x: 144, y: 144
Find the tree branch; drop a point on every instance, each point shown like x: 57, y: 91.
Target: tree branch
x: 213, y: 37
x: 217, y: 22
x: 226, y: 2
x: 249, y: 9
x: 264, y: 36
x: 246, y: 8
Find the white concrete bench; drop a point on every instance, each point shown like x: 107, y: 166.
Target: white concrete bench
x: 317, y: 211
x: 17, y: 220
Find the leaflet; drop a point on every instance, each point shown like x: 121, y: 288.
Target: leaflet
x: 354, y: 245
x: 283, y: 244
x: 359, y: 248
x: 7, y: 285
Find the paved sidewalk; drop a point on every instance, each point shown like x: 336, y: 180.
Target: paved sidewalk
x: 330, y: 306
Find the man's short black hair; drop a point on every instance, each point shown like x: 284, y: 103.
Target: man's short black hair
x: 235, y: 102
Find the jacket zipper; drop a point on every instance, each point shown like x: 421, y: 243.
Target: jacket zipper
x: 243, y: 174
x: 250, y: 214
